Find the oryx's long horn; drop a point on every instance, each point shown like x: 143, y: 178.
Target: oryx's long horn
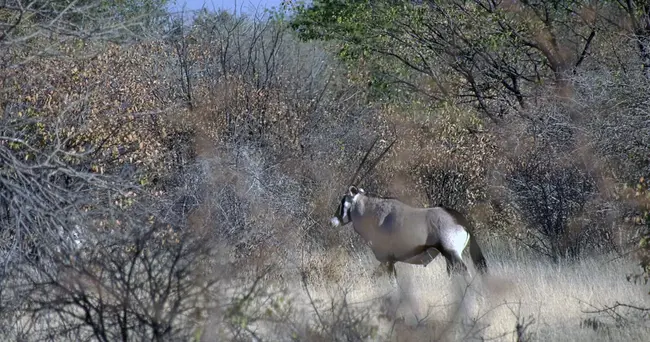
x: 374, y: 163
x: 356, y: 173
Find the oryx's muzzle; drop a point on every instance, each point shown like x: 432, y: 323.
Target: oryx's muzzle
x: 342, y: 216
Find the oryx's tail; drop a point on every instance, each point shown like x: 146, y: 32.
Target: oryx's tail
x: 477, y: 255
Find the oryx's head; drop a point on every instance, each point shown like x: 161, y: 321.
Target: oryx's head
x: 348, y: 200
x: 342, y: 216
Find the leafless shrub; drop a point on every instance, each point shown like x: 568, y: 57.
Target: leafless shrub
x: 78, y: 247
x: 254, y: 312
x: 275, y: 114
x: 522, y: 331
x: 36, y: 28
x: 608, y: 318
x: 617, y: 116
x: 566, y: 158
x: 447, y: 186
x: 139, y: 272
x: 247, y: 201
x: 337, y: 321
x: 43, y: 195
x: 548, y: 196
x: 144, y: 283
x: 250, y: 80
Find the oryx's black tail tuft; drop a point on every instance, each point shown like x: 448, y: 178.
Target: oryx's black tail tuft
x: 477, y: 255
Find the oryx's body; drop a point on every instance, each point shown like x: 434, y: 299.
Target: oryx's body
x: 399, y: 232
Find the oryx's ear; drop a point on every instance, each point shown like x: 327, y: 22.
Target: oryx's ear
x: 353, y: 190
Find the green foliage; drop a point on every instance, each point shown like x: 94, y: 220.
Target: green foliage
x: 491, y: 56
x: 361, y: 30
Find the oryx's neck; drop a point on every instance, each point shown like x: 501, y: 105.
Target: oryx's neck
x: 360, y: 204
x: 377, y: 207
x: 371, y: 206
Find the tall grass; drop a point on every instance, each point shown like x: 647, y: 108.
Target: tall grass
x: 565, y: 301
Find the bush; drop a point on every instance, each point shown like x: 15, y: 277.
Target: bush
x: 550, y: 196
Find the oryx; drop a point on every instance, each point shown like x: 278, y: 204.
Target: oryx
x: 398, y: 232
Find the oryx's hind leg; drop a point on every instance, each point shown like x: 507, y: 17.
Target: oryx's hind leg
x: 392, y: 271
x: 455, y: 263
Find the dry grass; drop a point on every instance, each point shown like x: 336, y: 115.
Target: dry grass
x: 520, y: 288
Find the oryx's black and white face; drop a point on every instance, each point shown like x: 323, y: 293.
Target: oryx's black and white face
x: 342, y: 216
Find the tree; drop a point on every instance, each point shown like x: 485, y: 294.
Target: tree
x: 490, y: 54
